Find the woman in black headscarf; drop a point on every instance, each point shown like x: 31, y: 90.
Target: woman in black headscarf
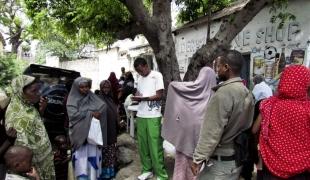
x: 109, y: 152
x: 128, y: 87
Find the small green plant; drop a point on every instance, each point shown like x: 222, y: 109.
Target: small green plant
x: 26, y: 48
x: 10, y: 67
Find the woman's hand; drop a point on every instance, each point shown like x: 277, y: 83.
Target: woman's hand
x: 34, y: 174
x: 42, y: 105
x: 96, y: 115
x: 196, y: 168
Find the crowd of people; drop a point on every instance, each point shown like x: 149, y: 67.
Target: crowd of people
x: 239, y: 128
x: 24, y: 136
x: 219, y: 128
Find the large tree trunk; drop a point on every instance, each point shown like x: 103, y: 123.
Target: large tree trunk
x: 168, y: 64
x: 15, y: 39
x: 157, y: 30
x: 231, y: 26
x: 15, y: 46
x: 165, y: 49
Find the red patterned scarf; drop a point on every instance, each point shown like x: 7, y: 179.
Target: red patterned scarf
x: 285, y: 128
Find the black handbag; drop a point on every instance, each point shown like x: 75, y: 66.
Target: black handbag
x: 241, y: 147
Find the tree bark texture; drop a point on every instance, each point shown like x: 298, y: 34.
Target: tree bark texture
x: 15, y: 39
x: 157, y: 30
x: 2, y: 40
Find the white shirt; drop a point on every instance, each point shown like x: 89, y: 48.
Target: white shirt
x: 261, y: 91
x: 146, y: 87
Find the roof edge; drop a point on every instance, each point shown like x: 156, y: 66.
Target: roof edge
x: 234, y: 7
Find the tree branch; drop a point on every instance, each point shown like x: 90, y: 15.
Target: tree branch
x: 231, y: 26
x: 2, y: 40
x: 19, y: 42
x: 17, y: 34
x: 129, y: 31
x: 161, y: 7
x: 209, y: 19
x: 137, y: 10
x: 143, y: 20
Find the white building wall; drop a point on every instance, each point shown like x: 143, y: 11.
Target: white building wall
x: 111, y: 61
x: 98, y: 68
x: 258, y: 38
x: 120, y: 54
x: 87, y: 67
x: 189, y: 40
x: 52, y: 61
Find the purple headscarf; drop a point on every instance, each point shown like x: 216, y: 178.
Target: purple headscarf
x: 185, y: 108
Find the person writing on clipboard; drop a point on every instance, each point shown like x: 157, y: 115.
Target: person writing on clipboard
x: 149, y: 94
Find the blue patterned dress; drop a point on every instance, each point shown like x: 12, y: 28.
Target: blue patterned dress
x: 86, y: 162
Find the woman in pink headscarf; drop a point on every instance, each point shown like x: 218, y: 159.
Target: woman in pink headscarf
x: 284, y: 139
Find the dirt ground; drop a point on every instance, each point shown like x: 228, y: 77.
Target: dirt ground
x: 132, y: 171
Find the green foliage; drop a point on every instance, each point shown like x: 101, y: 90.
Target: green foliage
x: 8, y: 12
x: 12, y: 18
x: 99, y: 20
x: 53, y: 41
x: 26, y: 48
x: 10, y: 67
x: 61, y: 48
x: 82, y: 20
x: 148, y: 4
x: 64, y: 27
x: 190, y: 10
x: 279, y: 13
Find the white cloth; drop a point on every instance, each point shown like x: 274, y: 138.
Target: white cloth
x: 15, y: 177
x: 127, y: 103
x: 169, y: 148
x: 87, y: 162
x: 146, y: 87
x: 261, y: 91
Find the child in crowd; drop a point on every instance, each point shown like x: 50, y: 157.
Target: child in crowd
x: 61, y: 157
x: 7, y: 137
x: 18, y: 160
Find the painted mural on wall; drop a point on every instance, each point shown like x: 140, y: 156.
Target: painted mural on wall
x: 271, y: 61
x: 273, y: 48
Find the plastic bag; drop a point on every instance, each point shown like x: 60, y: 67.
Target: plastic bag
x: 95, y: 133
